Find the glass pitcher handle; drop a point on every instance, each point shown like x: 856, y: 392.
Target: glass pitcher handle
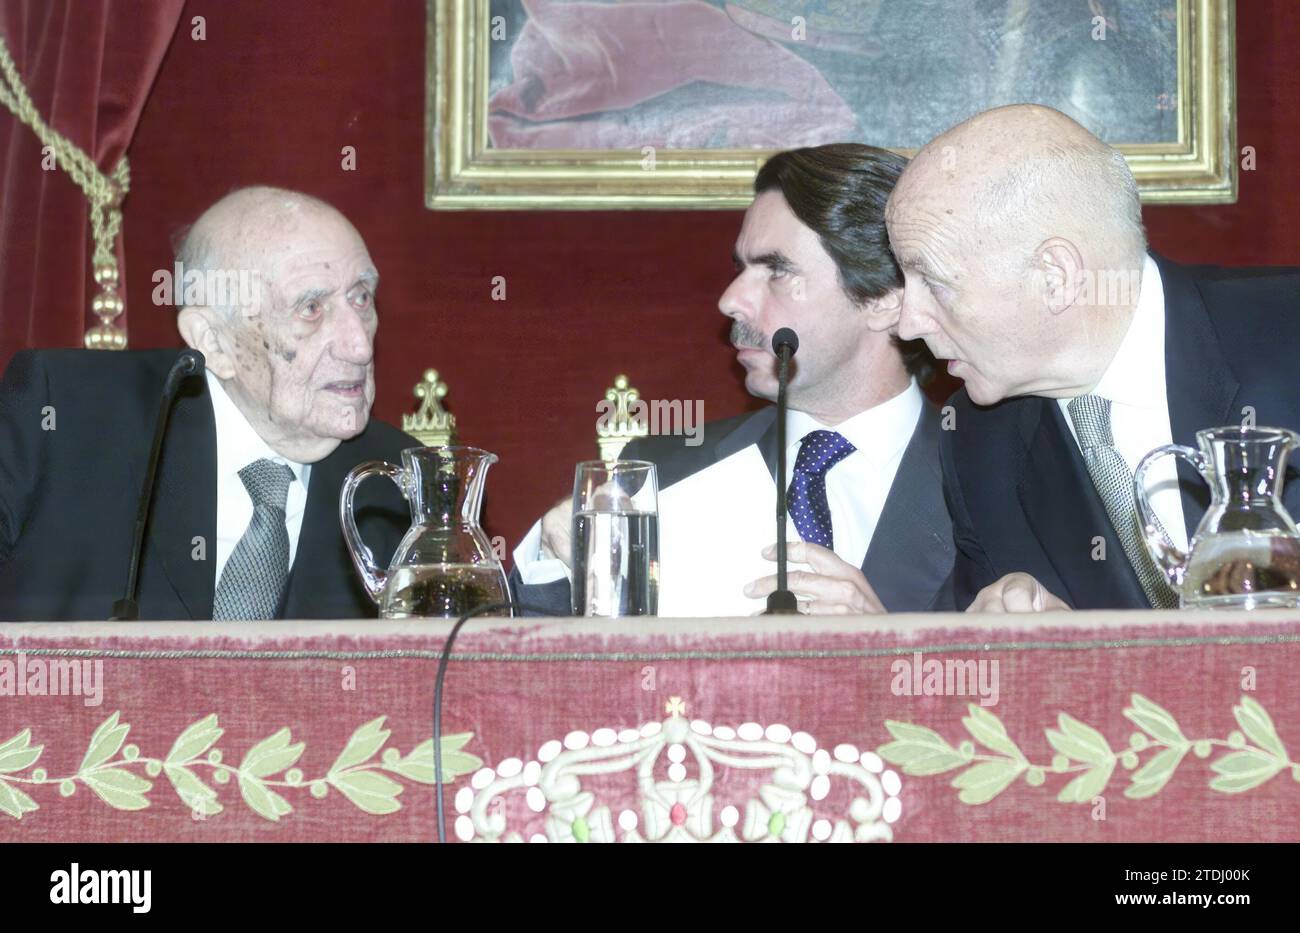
x: 1171, y: 561
x: 372, y: 576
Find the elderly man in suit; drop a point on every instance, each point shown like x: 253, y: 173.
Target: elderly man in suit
x: 1021, y: 242
x: 866, y: 505
x: 244, y: 524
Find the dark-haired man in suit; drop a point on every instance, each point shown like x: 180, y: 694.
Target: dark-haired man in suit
x: 1021, y: 241
x: 866, y: 506
x: 279, y: 296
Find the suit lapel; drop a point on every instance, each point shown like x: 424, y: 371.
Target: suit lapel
x: 1056, y: 492
x: 1199, y: 385
x: 1066, y: 514
x: 914, y: 522
x: 316, y: 577
x: 185, y: 504
x: 323, y: 582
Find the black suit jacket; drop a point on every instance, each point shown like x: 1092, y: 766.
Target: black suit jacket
x: 1018, y: 490
x: 911, y: 551
x: 68, y: 496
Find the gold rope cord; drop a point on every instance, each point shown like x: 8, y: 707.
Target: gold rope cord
x: 105, y: 194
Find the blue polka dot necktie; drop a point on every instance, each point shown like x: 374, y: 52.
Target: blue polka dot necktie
x: 808, y: 507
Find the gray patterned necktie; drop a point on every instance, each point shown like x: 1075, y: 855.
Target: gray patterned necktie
x: 254, y: 576
x: 1114, y: 483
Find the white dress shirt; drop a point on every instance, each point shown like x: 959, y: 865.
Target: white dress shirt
x: 238, y: 445
x: 856, y: 487
x: 1139, y: 405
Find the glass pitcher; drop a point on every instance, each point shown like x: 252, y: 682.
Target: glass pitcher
x: 1245, y: 553
x: 444, y: 565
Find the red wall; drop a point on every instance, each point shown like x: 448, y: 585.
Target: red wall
x: 277, y: 89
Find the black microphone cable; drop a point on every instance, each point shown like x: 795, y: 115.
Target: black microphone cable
x: 189, y: 363
x: 487, y: 609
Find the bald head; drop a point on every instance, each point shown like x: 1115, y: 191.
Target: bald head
x: 246, y: 229
x: 1003, y: 226
x: 283, y: 309
x: 1022, y: 174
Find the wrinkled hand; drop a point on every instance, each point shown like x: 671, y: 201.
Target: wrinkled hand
x: 832, y: 587
x: 557, y: 531
x: 1016, y: 592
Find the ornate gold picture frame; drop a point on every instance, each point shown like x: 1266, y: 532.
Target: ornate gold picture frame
x: 1195, y: 161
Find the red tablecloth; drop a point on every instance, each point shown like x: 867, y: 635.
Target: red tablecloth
x: 1084, y: 726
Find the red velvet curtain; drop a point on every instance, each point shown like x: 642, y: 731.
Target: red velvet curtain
x: 88, y: 66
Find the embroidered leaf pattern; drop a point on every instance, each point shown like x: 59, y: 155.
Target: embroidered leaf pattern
x: 271, y: 755
x: 1154, y: 720
x: 988, y: 730
x: 984, y: 781
x: 1243, y: 770
x: 1080, y: 742
x: 119, y: 788
x: 1088, y: 758
x: 918, y: 750
x: 14, y: 802
x: 418, y: 765
x: 199, y: 797
x: 1087, y: 785
x: 104, y: 744
x: 369, y: 790
x: 1155, y: 774
x: 195, y: 740
x: 262, y: 799
x: 18, y: 753
x: 364, y: 743
x: 1257, y: 725
x: 355, y: 772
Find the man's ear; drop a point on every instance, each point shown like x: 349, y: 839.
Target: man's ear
x: 201, y: 331
x: 1059, y: 268
x: 882, y: 313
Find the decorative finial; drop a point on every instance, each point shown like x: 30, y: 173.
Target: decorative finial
x: 431, y: 425
x: 617, y: 426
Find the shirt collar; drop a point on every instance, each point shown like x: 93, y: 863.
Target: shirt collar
x: 1136, y: 374
x: 878, y: 433
x: 238, y: 444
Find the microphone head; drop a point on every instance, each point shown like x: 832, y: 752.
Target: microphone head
x: 188, y: 363
x: 192, y: 362
x: 785, y: 338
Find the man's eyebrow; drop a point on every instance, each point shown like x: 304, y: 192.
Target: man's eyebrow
x: 369, y: 278
x: 775, y: 260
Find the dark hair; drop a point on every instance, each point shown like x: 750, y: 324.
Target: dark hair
x: 839, y: 192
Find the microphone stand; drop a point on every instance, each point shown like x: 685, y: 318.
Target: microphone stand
x: 189, y: 363
x: 781, y: 601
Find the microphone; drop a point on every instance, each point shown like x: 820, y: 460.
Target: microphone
x: 189, y: 363
x: 781, y: 601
